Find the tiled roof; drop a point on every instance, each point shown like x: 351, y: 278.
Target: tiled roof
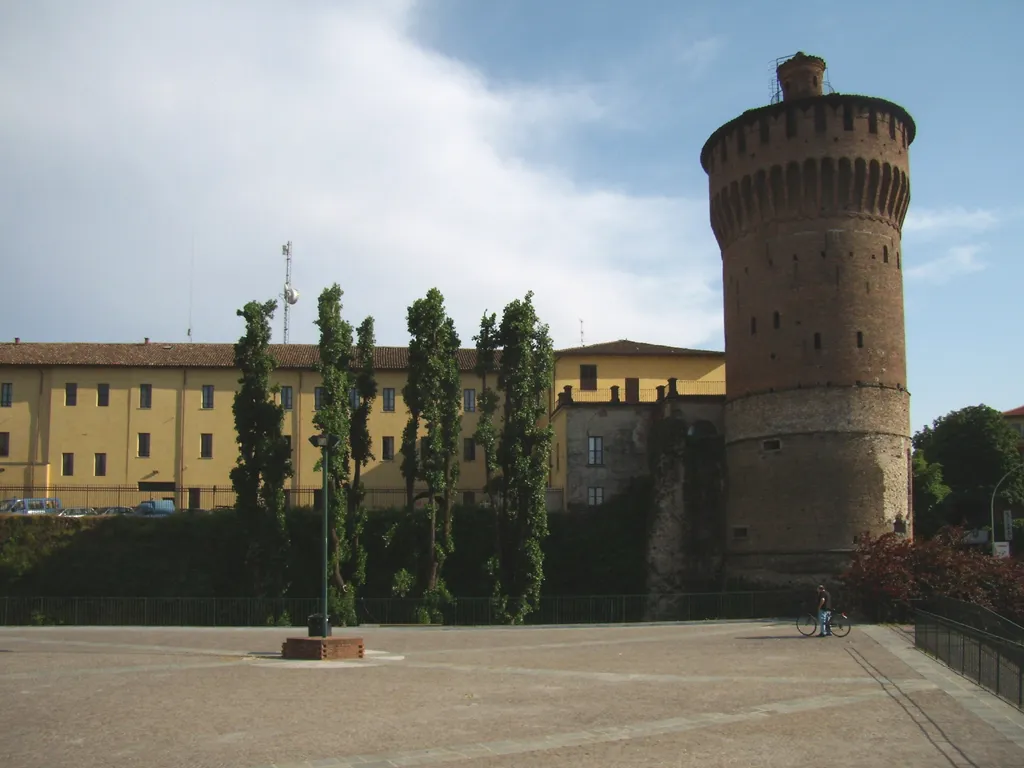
x: 157, y: 355
x: 627, y: 347
x: 1015, y: 412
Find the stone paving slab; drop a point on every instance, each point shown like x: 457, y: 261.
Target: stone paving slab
x: 708, y: 694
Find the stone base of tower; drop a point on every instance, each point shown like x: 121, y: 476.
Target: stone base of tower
x: 796, y: 571
x: 810, y: 472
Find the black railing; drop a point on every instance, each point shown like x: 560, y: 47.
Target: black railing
x: 974, y: 616
x: 993, y: 662
x: 472, y: 611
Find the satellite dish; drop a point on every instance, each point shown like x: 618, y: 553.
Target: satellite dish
x: 291, y: 295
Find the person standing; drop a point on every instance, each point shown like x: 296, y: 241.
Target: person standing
x: 824, y: 612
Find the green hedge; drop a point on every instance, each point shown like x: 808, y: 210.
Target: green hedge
x: 592, y: 551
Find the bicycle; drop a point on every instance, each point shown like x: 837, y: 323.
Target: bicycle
x: 839, y: 623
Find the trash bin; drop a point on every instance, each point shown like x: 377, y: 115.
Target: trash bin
x: 315, y: 624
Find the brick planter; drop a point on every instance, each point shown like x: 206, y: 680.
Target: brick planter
x: 322, y: 648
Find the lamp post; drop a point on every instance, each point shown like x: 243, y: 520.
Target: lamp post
x: 992, y: 504
x: 325, y: 443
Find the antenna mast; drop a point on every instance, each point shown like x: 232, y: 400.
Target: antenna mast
x: 581, y: 333
x: 191, y: 286
x: 290, y: 296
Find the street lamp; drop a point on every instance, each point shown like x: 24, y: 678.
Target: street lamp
x: 992, y: 504
x: 325, y: 443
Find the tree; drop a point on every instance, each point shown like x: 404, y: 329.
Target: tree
x: 432, y: 395
x: 264, y: 457
x: 890, y: 570
x: 361, y: 446
x: 524, y: 376
x: 486, y: 434
x: 929, y: 494
x: 975, y: 447
x: 333, y: 417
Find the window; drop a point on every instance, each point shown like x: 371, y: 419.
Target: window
x: 739, y: 532
x: 776, y: 320
x: 771, y: 445
x: 872, y: 122
x: 469, y: 400
x: 207, y: 396
x: 885, y: 254
x: 817, y: 341
x: 318, y: 398
x: 588, y: 377
x: 387, y: 450
x: 353, y: 398
x: 206, y: 446
x: 67, y: 464
x: 145, y: 395
x: 286, y: 398
x: 753, y: 326
x: 468, y: 498
x: 595, y: 451
x: 99, y: 465
x: 143, y: 445
x: 847, y: 117
x: 468, y: 449
x: 595, y: 497
x: 860, y: 339
x: 389, y: 398
x: 102, y: 395
x: 5, y: 443
x: 70, y: 394
x: 6, y: 394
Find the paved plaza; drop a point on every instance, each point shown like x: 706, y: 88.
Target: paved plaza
x: 713, y: 694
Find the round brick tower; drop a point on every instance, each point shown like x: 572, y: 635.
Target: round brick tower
x: 808, y: 197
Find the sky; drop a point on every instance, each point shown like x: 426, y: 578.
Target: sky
x: 154, y: 158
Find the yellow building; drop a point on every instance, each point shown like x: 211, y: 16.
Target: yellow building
x: 113, y: 424
x: 595, y: 451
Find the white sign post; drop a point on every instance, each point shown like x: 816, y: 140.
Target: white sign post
x: 1002, y: 549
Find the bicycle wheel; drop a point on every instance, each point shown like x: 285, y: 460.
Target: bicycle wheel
x: 807, y: 624
x: 840, y: 625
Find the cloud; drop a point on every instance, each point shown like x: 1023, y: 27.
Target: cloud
x: 960, y: 260
x: 129, y: 129
x: 927, y: 223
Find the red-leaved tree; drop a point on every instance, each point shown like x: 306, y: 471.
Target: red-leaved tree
x: 889, y: 571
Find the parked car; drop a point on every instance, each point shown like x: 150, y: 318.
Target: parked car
x: 38, y: 506
x: 77, y: 512
x: 117, y: 511
x: 155, y: 508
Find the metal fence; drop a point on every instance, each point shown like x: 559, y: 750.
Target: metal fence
x: 974, y: 616
x: 472, y: 611
x: 993, y: 662
x: 212, y: 497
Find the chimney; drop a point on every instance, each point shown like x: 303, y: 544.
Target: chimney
x: 661, y: 392
x: 17, y: 339
x: 146, y: 340
x: 615, y: 394
x: 673, y: 388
